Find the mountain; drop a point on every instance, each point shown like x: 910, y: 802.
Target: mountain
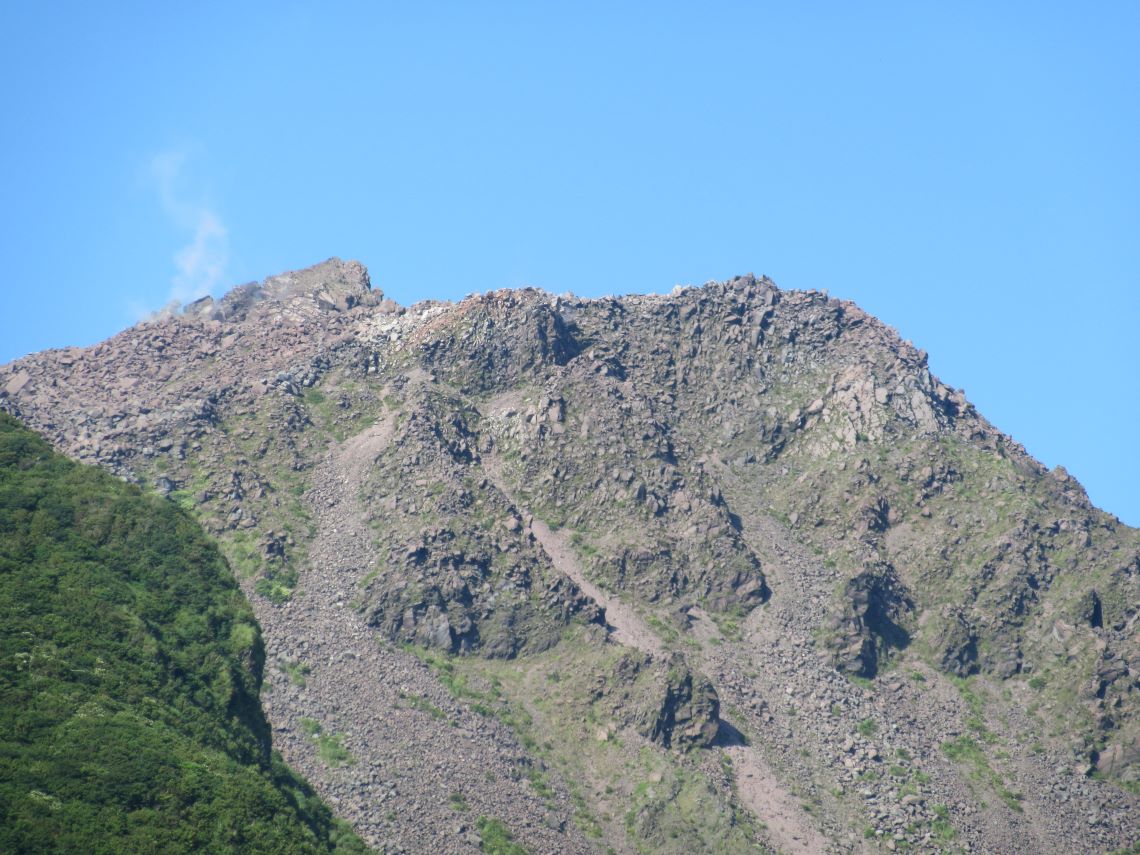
x: 129, y: 680
x: 716, y: 570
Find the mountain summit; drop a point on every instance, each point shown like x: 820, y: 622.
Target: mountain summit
x: 709, y: 571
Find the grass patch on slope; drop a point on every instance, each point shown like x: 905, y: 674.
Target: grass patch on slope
x: 625, y: 792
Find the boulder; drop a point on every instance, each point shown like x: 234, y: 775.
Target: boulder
x: 687, y: 712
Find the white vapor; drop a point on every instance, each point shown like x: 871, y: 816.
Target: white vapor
x: 201, y: 263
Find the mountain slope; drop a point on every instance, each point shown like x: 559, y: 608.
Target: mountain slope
x: 732, y: 551
x: 130, y: 677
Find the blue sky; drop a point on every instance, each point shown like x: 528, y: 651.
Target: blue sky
x: 969, y: 172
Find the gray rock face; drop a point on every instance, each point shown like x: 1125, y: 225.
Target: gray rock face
x: 689, y: 711
x: 663, y: 699
x: 874, y: 607
x: 775, y: 467
x: 1120, y: 761
x: 957, y: 644
x: 333, y: 284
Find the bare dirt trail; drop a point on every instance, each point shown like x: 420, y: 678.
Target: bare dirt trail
x: 412, y: 745
x: 626, y: 625
x: 758, y: 788
x: 789, y: 826
x: 352, y: 459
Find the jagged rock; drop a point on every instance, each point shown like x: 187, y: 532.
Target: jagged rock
x: 689, y: 713
x: 663, y: 699
x: 273, y: 545
x: 1003, y: 662
x: 956, y: 644
x: 202, y: 307
x: 1088, y: 610
x: 333, y: 284
x: 868, y: 625
x: 1120, y: 761
x: 16, y: 383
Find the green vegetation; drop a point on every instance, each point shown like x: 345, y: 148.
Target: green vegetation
x: 963, y: 749
x: 969, y: 690
x: 663, y: 630
x: 130, y: 666
x: 295, y: 671
x: 277, y: 585
x: 659, y: 801
x: 541, y: 786
x: 943, y: 831
x: 422, y: 704
x: 329, y: 747
x: 496, y: 839
x: 867, y: 727
x: 966, y: 750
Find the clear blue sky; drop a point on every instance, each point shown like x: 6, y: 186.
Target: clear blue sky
x: 967, y: 171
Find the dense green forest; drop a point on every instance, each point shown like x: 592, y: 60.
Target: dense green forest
x: 130, y: 666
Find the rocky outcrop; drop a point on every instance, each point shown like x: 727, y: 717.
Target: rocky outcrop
x: 662, y: 698
x: 688, y: 715
x: 496, y: 342
x: 956, y: 644
x: 869, y: 622
x: 463, y: 593
x: 1120, y: 761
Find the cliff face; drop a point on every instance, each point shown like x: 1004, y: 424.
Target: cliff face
x: 766, y: 489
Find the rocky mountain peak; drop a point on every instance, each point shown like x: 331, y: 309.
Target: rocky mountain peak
x: 332, y: 285
x: 730, y: 518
